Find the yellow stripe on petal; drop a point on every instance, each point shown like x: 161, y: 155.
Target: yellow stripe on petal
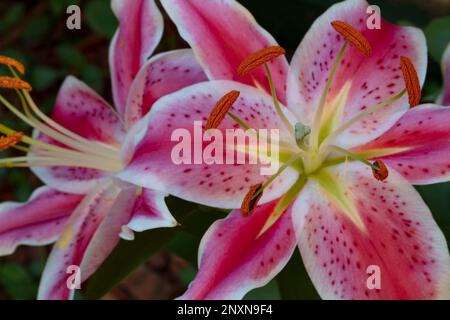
x: 65, y: 238
x: 334, y: 187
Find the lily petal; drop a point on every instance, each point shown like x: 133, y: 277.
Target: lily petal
x: 372, y: 79
x: 234, y: 260
x: 418, y: 145
x: 445, y: 98
x: 91, y: 234
x: 162, y: 74
x: 220, y: 185
x: 400, y: 240
x: 150, y: 211
x: 222, y: 34
x: 82, y: 111
x: 37, y: 222
x: 140, y: 30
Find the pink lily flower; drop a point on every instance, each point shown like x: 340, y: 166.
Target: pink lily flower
x: 79, y: 150
x: 351, y: 87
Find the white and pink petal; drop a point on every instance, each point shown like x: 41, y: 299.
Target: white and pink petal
x: 222, y: 34
x: 140, y: 30
x: 399, y: 240
x: 162, y: 74
x: 372, y: 79
x: 39, y: 221
x: 90, y: 235
x: 235, y: 258
x: 420, y: 144
x: 178, y: 119
x: 83, y: 112
x: 150, y: 211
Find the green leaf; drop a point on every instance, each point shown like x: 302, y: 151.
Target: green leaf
x: 268, y: 292
x: 93, y: 76
x: 17, y: 282
x: 70, y: 55
x: 438, y: 37
x: 184, y: 245
x: 294, y: 282
x: 12, y: 16
x: 101, y: 18
x: 37, y: 28
x: 43, y: 77
x: 187, y: 275
x: 59, y: 7
x: 127, y: 256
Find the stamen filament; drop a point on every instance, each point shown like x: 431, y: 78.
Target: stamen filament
x: 360, y: 116
x: 352, y: 156
x: 56, y: 126
x: 33, y: 122
x: 276, y: 102
x: 284, y: 203
x: 280, y: 170
x: 239, y: 121
x: 323, y: 99
x: 25, y: 162
x: 58, y: 152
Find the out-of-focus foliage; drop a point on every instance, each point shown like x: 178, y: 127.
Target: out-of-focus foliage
x: 35, y: 33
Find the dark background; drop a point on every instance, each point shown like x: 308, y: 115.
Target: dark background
x: 164, y: 261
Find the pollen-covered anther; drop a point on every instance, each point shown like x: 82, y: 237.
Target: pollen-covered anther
x: 259, y: 58
x: 251, y: 200
x: 221, y: 109
x: 7, y: 61
x: 353, y: 36
x: 411, y: 81
x: 380, y: 171
x: 10, y: 140
x: 14, y: 83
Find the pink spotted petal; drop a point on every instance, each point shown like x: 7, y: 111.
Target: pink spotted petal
x: 221, y: 185
x: 140, y: 30
x: 425, y: 132
x: 150, y: 211
x: 234, y: 260
x: 82, y: 111
x: 222, y: 34
x: 91, y: 234
x: 400, y: 238
x: 161, y: 75
x: 445, y: 98
x: 39, y: 221
x: 373, y: 79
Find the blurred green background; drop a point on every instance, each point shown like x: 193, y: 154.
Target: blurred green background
x: 164, y: 261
